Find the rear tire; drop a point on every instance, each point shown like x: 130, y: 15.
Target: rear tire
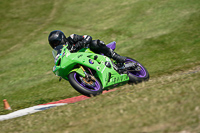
x: 137, y: 76
x: 82, y: 87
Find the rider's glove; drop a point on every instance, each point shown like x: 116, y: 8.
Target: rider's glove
x: 79, y: 45
x: 74, y: 48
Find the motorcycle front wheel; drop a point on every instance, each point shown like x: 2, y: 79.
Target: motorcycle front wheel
x: 87, y: 88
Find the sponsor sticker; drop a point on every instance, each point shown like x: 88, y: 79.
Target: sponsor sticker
x: 91, y: 61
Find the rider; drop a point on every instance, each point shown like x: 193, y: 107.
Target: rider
x: 57, y: 38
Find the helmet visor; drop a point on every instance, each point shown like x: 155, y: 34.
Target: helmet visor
x: 55, y: 43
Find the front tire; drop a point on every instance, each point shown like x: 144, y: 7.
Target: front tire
x: 84, y: 88
x: 137, y: 76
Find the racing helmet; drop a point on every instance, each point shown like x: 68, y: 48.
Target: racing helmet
x: 56, y: 38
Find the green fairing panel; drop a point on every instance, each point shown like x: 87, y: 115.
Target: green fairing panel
x: 85, y: 57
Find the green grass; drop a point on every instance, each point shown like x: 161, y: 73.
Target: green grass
x: 161, y: 34
x: 164, y: 104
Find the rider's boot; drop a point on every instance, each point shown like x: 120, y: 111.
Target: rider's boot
x: 117, y: 57
x: 120, y: 61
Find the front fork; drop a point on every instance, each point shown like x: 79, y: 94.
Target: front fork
x: 88, y: 77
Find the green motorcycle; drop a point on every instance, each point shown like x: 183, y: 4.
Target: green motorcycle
x: 90, y: 73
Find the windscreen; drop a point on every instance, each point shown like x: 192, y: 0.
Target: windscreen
x: 57, y: 50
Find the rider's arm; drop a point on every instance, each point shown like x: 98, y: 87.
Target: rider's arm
x: 79, y: 41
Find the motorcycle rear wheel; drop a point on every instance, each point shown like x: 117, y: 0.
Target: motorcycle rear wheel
x: 90, y: 88
x: 137, y: 76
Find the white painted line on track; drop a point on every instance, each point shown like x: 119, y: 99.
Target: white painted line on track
x: 29, y: 110
x: 42, y: 107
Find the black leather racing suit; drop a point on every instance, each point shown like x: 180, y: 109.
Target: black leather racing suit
x: 96, y: 46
